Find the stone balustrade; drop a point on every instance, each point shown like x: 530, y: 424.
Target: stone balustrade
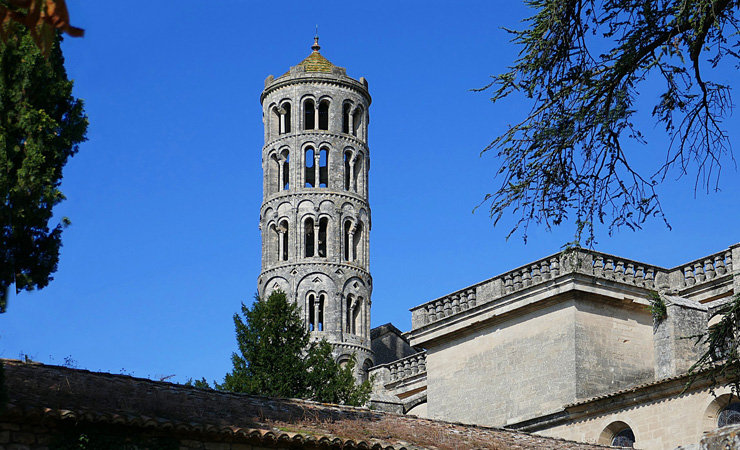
x: 704, y: 270
x: 408, y: 366
x: 587, y: 262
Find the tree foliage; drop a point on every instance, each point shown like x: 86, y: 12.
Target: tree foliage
x: 720, y: 362
x: 582, y: 65
x: 277, y: 358
x: 41, y: 126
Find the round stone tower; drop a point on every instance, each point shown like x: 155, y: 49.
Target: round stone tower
x: 315, y: 216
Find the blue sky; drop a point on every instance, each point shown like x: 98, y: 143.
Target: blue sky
x: 164, y: 197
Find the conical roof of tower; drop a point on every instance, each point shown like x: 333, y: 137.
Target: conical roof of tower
x: 315, y: 62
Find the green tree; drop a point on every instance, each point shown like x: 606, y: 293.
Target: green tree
x: 277, y: 358
x: 41, y: 126
x: 581, y: 65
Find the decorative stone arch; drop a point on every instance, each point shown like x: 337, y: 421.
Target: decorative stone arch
x: 613, y: 429
x: 281, y: 169
x: 359, y: 173
x: 310, y: 164
x: 359, y: 120
x: 274, y: 284
x: 323, y: 106
x: 713, y: 410
x: 285, y: 111
x: 343, y: 359
x: 308, y: 112
x: 347, y: 107
x: 414, y: 401
x: 318, y: 283
x: 315, y: 305
x: 349, y: 156
x: 355, y: 307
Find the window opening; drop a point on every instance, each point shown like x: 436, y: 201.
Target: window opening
x: 323, y: 226
x: 347, y: 169
x: 356, y: 242
x: 283, y: 231
x: 285, y: 170
x: 730, y: 415
x: 357, y: 122
x: 285, y: 123
x: 625, y: 438
x: 350, y: 307
x: 309, y: 238
x: 320, y: 318
x: 311, y: 312
x: 324, y: 167
x: 347, y: 234
x: 324, y: 115
x: 345, y: 117
x: 356, y: 316
x: 275, y: 122
x: 310, y: 168
x: 309, y: 120
x: 357, y: 173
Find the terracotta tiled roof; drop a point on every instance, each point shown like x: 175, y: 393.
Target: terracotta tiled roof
x: 51, y: 393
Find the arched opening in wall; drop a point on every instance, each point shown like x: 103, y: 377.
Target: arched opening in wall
x: 274, y: 119
x: 350, y: 306
x: 324, y: 167
x: 323, y: 227
x: 357, y: 316
x: 365, y: 370
x: 311, y: 300
x: 309, y: 169
x: 346, y: 242
x: 283, y: 230
x: 309, y: 115
x: 285, y: 170
x: 357, y: 122
x: 324, y: 115
x: 320, y: 312
x: 308, y: 237
x: 723, y: 410
x: 347, y: 169
x: 357, y: 243
x: 618, y: 434
x: 276, y: 183
x: 345, y: 117
x: 286, y: 120
x: 357, y: 177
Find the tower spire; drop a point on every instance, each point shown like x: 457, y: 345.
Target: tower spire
x: 316, y: 47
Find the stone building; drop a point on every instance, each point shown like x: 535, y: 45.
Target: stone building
x: 566, y: 346
x: 315, y: 216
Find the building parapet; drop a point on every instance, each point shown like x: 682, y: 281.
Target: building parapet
x: 703, y: 274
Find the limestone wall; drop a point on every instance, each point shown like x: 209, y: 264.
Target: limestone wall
x: 510, y: 370
x: 660, y: 424
x: 614, y: 346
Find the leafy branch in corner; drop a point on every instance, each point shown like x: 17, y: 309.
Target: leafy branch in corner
x: 581, y: 66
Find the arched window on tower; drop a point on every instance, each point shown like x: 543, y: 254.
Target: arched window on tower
x: 285, y: 118
x: 284, y: 170
x: 324, y: 115
x: 309, y: 115
x: 357, y: 125
x: 316, y: 312
x: 308, y: 238
x: 273, y: 250
x: 346, y: 239
x: 309, y: 169
x: 348, y: 169
x: 274, y: 119
x: 283, y: 241
x: 323, y: 180
x: 357, y: 243
x: 357, y: 174
x: 349, y: 321
x: 323, y: 227
x: 346, y: 108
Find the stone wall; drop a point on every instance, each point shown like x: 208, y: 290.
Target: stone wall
x: 510, y: 370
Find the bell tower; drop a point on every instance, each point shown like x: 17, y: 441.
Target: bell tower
x: 315, y: 215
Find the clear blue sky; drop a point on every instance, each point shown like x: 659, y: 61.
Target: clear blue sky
x: 164, y: 197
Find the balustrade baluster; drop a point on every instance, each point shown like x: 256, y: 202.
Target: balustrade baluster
x: 536, y: 276
x: 699, y: 272
x: 471, y: 297
x: 728, y: 261
x: 508, y: 284
x: 555, y: 267
x: 545, y: 270
x: 526, y: 278
x: 517, y: 280
x: 709, y: 269
x: 719, y: 265
x: 455, y: 304
x: 688, y: 276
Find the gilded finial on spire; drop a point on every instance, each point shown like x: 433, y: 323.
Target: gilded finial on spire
x: 316, y: 47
